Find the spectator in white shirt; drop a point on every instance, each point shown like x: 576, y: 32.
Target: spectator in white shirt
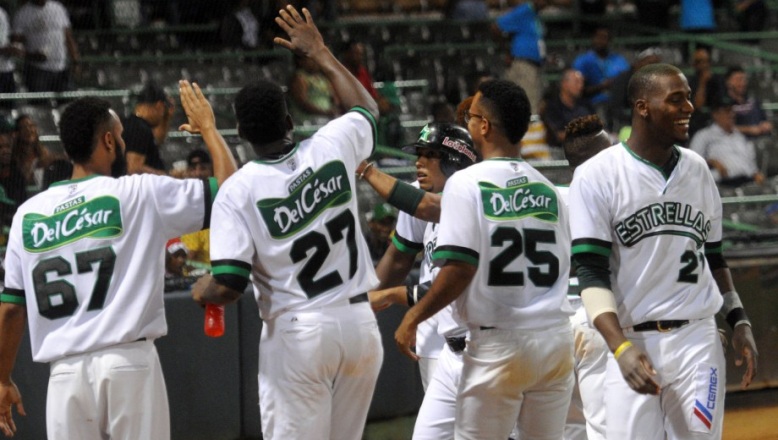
x: 730, y: 155
x: 43, y: 26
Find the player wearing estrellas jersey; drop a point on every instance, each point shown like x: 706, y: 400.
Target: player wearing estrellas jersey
x: 647, y: 243
x: 287, y: 222
x: 86, y: 260
x: 501, y: 247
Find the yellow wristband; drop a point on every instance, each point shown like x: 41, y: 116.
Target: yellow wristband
x: 622, y: 348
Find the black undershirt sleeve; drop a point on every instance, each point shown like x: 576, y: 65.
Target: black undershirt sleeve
x: 592, y: 270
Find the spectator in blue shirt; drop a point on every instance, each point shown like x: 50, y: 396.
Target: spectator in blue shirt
x: 523, y: 28
x: 599, y: 67
x: 750, y: 117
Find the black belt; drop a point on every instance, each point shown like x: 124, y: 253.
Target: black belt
x: 483, y: 327
x: 362, y: 297
x: 659, y: 326
x: 456, y: 344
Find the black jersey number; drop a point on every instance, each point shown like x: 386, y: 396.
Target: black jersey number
x: 342, y: 226
x: 57, y: 298
x: 689, y: 273
x: 519, y: 243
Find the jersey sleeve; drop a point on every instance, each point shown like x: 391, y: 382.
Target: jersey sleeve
x: 589, y: 206
x: 13, y: 291
x: 232, y: 246
x: 353, y: 133
x: 458, y: 236
x: 409, y: 234
x: 188, y: 201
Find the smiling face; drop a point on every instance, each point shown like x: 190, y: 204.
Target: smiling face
x: 667, y: 109
x: 428, y: 172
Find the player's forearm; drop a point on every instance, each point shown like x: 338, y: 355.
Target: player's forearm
x: 610, y: 329
x: 12, y: 320
x: 347, y: 87
x: 394, y: 267
x: 407, y: 198
x: 450, y: 282
x: 224, y: 164
x: 723, y: 278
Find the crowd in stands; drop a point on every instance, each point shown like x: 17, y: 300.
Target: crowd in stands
x: 727, y: 126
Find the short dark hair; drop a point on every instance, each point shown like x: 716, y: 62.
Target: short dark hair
x: 643, y: 82
x: 151, y: 94
x: 198, y: 154
x: 80, y: 124
x: 579, y: 134
x: 260, y: 108
x: 733, y: 70
x: 509, y: 105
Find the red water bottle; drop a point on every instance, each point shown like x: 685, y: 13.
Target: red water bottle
x: 214, y: 320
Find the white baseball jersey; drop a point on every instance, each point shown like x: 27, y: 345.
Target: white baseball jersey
x: 655, y: 229
x: 43, y: 28
x: 506, y: 218
x: 291, y: 224
x: 409, y: 237
x: 87, y: 257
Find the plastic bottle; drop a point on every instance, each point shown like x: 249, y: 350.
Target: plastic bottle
x: 214, y: 320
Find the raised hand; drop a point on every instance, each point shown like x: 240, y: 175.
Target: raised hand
x: 304, y: 38
x: 197, y: 108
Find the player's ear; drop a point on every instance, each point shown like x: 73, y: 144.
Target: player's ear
x: 641, y: 107
x: 109, y: 140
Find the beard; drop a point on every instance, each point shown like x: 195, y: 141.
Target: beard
x: 119, y: 166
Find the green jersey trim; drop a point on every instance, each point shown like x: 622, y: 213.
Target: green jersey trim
x: 457, y: 253
x: 373, y: 126
x: 715, y: 247
x: 82, y: 179
x: 231, y: 267
x: 591, y: 246
x: 13, y: 296
x: 406, y: 246
x: 650, y: 164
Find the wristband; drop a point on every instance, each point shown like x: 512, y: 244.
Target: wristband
x: 364, y: 170
x: 732, y: 310
x: 405, y: 197
x: 622, y: 348
x: 411, y: 292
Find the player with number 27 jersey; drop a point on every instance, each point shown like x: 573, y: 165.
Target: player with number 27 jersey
x: 300, y: 213
x: 81, y: 239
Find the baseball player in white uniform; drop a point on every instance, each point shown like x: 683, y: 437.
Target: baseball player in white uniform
x: 647, y: 244
x: 85, y: 260
x: 288, y: 223
x: 442, y: 149
x: 501, y: 247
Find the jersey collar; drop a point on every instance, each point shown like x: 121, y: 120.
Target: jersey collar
x: 665, y: 170
x: 82, y: 179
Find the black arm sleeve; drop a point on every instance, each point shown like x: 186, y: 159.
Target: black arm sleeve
x: 592, y: 270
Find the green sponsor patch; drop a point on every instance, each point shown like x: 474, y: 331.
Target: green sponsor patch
x: 326, y: 188
x: 533, y: 199
x: 98, y: 218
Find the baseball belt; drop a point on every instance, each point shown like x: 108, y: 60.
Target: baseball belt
x: 659, y: 326
x: 456, y: 344
x: 362, y: 297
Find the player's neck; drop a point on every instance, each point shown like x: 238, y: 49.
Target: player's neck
x: 84, y: 170
x: 658, y: 153
x: 492, y: 151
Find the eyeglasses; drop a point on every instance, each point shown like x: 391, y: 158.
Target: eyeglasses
x: 469, y: 116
